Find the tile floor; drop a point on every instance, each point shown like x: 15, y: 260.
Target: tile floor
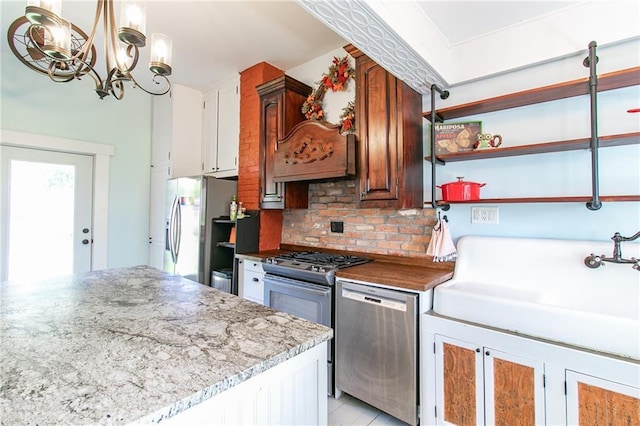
x: 349, y: 411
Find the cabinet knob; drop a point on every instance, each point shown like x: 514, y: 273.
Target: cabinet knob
x: 255, y: 280
x: 487, y: 353
x: 478, y: 350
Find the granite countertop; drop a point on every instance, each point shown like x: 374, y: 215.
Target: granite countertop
x: 132, y: 345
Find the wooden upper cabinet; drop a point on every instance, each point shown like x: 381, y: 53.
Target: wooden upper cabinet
x: 389, y: 130
x: 281, y: 103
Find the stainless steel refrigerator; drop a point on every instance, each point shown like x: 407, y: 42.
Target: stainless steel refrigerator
x: 191, y: 204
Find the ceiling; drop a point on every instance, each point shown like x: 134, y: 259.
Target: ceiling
x: 213, y: 40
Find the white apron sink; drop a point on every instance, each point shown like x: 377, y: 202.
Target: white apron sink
x: 542, y: 288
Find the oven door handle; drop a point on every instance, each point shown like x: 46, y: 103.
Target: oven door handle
x: 294, y: 284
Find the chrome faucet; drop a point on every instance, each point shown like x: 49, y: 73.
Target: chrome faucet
x: 594, y: 261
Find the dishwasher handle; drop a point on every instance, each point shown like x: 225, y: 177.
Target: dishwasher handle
x: 383, y: 302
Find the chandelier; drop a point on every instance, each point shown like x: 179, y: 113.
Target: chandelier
x: 52, y: 45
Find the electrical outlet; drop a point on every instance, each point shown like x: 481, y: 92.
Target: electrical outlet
x: 487, y: 215
x: 337, y: 227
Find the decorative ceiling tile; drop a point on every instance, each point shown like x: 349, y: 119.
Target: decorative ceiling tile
x: 356, y: 21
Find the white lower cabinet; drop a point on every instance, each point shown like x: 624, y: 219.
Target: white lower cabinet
x: 473, y: 375
x: 250, y: 280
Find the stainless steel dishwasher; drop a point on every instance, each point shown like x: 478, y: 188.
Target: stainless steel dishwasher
x: 376, y: 338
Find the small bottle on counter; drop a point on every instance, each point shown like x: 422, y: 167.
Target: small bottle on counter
x: 233, y: 208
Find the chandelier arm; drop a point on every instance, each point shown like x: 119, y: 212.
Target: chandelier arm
x: 117, y: 84
x: 130, y: 77
x: 110, y: 22
x: 83, y: 52
x: 56, y: 77
x: 135, y: 56
x: 107, y: 30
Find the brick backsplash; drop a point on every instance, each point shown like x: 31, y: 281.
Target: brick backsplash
x: 382, y: 231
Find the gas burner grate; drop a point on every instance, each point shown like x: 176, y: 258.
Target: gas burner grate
x: 327, y: 259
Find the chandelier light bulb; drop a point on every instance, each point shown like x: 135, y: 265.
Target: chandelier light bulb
x: 58, y: 40
x: 43, y: 12
x: 133, y: 24
x: 161, y: 51
x: 135, y: 18
x: 123, y: 59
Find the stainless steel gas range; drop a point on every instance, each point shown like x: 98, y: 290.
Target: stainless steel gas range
x: 302, y: 284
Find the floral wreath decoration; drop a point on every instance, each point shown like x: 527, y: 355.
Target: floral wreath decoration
x: 340, y: 72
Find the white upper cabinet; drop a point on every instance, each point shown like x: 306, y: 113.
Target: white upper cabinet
x: 222, y: 129
x: 177, y: 132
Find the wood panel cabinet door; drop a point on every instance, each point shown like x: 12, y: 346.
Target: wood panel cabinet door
x: 389, y: 129
x: 281, y: 103
x: 514, y: 389
x: 594, y: 401
x: 476, y: 385
x: 459, y: 382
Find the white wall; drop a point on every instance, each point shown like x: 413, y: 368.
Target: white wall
x: 552, y: 174
x: 32, y: 103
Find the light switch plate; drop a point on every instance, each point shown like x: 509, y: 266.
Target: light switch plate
x: 486, y: 215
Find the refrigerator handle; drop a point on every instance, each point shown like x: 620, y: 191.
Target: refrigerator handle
x: 172, y: 230
x: 179, y: 229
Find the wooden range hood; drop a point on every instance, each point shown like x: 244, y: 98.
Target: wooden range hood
x: 314, y: 150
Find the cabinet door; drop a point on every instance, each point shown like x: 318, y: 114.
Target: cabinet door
x: 281, y: 103
x: 157, y: 222
x: 595, y: 401
x: 514, y: 389
x: 389, y: 128
x: 221, y: 130
x: 162, y: 130
x: 186, y: 138
x: 210, y: 132
x: 271, y: 130
x: 157, y: 225
x: 228, y: 128
x: 459, y: 382
x: 377, y: 124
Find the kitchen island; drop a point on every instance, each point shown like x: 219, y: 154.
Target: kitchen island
x: 138, y: 345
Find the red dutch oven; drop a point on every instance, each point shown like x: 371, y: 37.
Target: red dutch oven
x: 461, y: 190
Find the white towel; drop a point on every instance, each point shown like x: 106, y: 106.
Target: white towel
x: 441, y: 246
